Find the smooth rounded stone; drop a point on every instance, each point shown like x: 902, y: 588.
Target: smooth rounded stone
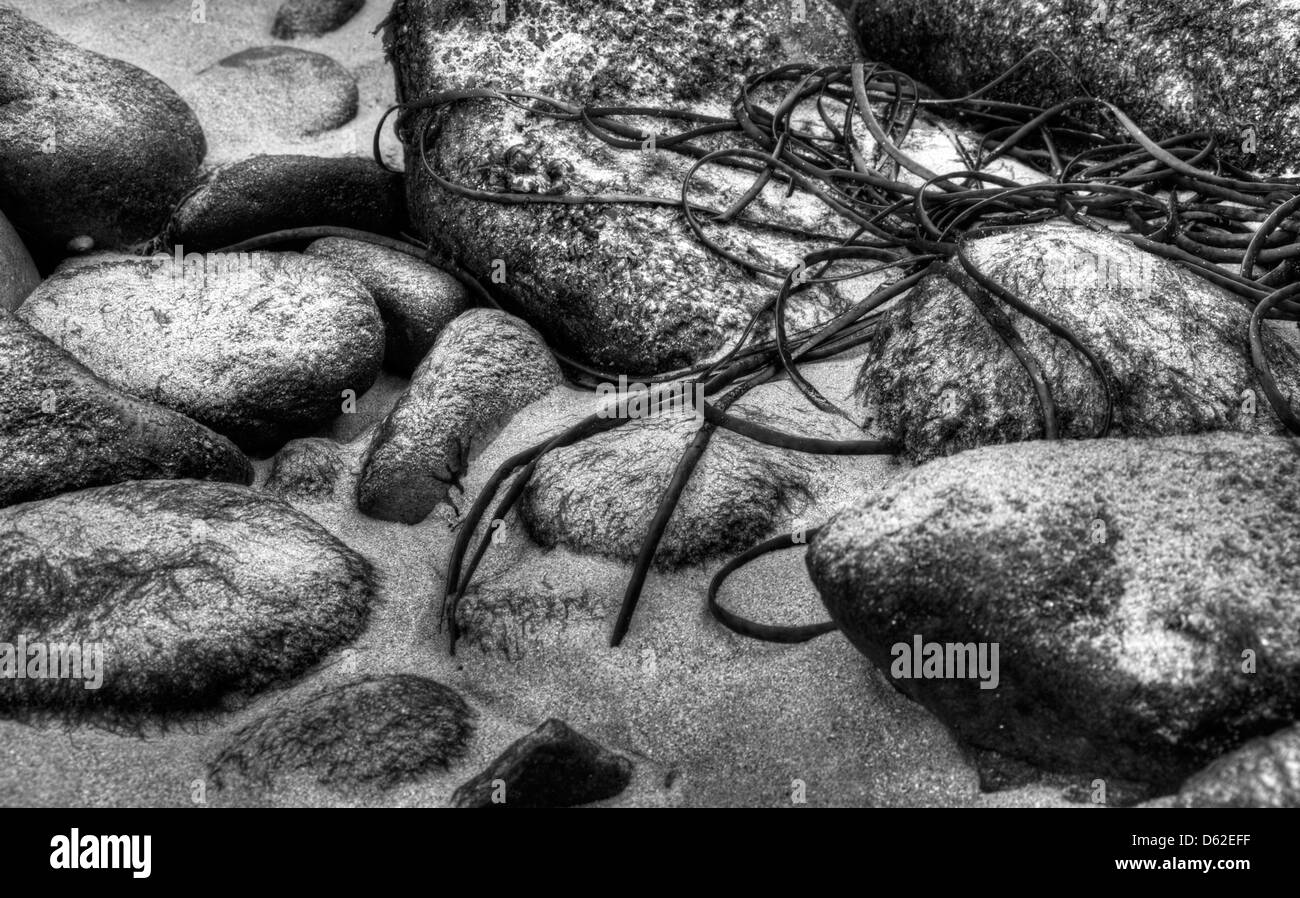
x: 1171, y: 66
x: 1263, y: 773
x: 1141, y: 592
x: 600, y: 495
x: 940, y: 379
x: 306, y: 469
x: 368, y: 732
x: 627, y: 287
x: 486, y: 366
x: 193, y: 590
x: 416, y: 300
x: 63, y: 429
x: 89, y: 146
x: 554, y: 766
x: 312, y: 18
x: 18, y: 274
x: 258, y: 346
x: 283, y: 91
x: 273, y: 193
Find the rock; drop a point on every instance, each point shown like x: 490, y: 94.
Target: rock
x: 306, y: 469
x: 370, y: 731
x: 485, y: 366
x: 258, y: 346
x: 1140, y: 591
x: 626, y: 287
x: 939, y: 378
x: 284, y: 91
x: 18, y: 274
x: 296, y: 18
x: 193, y: 590
x: 272, y: 193
x: 62, y: 428
x: 416, y: 300
x: 600, y: 495
x: 89, y: 146
x: 552, y: 766
x: 1263, y: 773
x: 1172, y: 68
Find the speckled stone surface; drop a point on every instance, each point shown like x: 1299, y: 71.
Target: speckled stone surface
x: 1263, y: 773
x: 311, y: 18
x: 485, y: 366
x: 195, y: 590
x: 367, y: 731
x: 259, y: 346
x: 627, y: 287
x: 1172, y: 66
x: 416, y: 299
x: 939, y: 378
x: 1123, y: 580
x: 64, y: 429
x: 18, y: 274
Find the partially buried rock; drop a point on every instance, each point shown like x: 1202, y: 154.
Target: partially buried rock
x: 1139, y: 595
x: 1174, y: 67
x: 416, y: 300
x: 1263, y: 773
x: 306, y: 469
x: 258, y: 346
x: 941, y: 379
x: 298, y: 18
x: 285, y: 91
x: 18, y: 274
x: 553, y: 766
x: 183, y: 592
x: 272, y: 193
x: 88, y: 145
x: 372, y: 731
x: 627, y: 287
x: 62, y: 428
x: 485, y: 367
x: 599, y: 495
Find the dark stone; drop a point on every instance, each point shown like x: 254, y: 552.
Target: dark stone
x: 306, y: 469
x: 272, y: 193
x: 1171, y: 66
x: 416, y: 299
x: 194, y: 590
x: 372, y: 731
x: 312, y: 18
x: 62, y: 428
x: 89, y: 146
x: 486, y: 366
x: 553, y: 766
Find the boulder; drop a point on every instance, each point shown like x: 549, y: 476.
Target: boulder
x: 89, y: 146
x: 62, y: 428
x: 190, y: 591
x: 258, y: 346
x: 1140, y: 594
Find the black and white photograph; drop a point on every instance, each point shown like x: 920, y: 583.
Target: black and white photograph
x: 880, y: 404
